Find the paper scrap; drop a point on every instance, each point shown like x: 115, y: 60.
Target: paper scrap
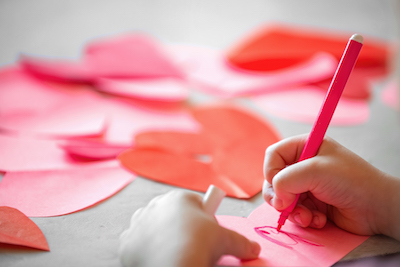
x: 303, y: 104
x: 277, y: 46
x: 154, y: 89
x: 207, y: 69
x: 130, y: 55
x: 215, y: 155
x: 91, y: 150
x: 27, y: 154
x: 390, y: 95
x: 294, y: 245
x: 17, y: 229
x: 130, y: 117
x: 29, y: 106
x: 58, y: 192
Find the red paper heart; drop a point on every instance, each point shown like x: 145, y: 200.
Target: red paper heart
x: 274, y: 47
x: 228, y: 152
x: 18, y: 229
x: 278, y: 46
x: 293, y: 246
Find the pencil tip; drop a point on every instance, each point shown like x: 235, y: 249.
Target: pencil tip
x: 279, y: 227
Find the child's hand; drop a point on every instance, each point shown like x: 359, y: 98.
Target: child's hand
x: 173, y: 230
x: 336, y: 184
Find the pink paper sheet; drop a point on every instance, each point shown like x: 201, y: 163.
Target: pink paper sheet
x: 208, y: 70
x: 29, y: 106
x: 131, y: 55
x: 91, y: 149
x: 303, y: 104
x: 390, y: 95
x: 293, y: 246
x: 155, y: 89
x: 27, y: 154
x: 59, y: 192
x: 128, y: 118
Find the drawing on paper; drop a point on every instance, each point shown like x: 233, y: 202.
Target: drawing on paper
x: 282, y: 238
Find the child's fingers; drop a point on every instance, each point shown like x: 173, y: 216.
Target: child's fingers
x: 295, y: 179
x: 281, y: 154
x: 239, y: 246
x: 268, y: 192
x: 305, y: 217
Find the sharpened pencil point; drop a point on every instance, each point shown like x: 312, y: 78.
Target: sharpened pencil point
x: 279, y: 227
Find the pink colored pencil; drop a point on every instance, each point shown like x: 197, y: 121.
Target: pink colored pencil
x: 332, y: 97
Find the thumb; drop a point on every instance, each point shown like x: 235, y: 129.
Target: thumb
x: 239, y: 246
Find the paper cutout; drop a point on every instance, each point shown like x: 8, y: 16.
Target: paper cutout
x: 208, y: 70
x: 18, y: 229
x: 92, y: 150
x: 303, y: 104
x: 277, y: 46
x: 156, y: 89
x: 131, y: 55
x: 128, y: 118
x: 58, y: 70
x: 390, y: 95
x: 28, y: 106
x: 295, y: 246
x: 27, y: 154
x: 216, y: 155
x: 358, y: 85
x: 59, y: 192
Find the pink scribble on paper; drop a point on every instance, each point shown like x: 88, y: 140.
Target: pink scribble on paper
x: 282, y: 238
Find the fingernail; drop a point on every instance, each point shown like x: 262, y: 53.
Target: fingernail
x: 297, y: 218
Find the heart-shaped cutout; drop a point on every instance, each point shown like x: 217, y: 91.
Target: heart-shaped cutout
x: 17, y: 229
x: 227, y: 152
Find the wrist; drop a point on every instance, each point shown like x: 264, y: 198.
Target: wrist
x: 388, y: 213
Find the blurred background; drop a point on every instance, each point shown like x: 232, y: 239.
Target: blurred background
x: 60, y: 28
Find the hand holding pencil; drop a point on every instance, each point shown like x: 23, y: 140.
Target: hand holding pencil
x: 311, y: 179
x: 333, y: 95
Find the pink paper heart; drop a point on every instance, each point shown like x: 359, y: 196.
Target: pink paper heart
x: 92, y: 150
x: 17, y: 229
x: 27, y: 154
x: 303, y: 104
x: 209, y: 71
x: 30, y: 106
x: 390, y: 95
x: 129, y: 55
x: 59, y: 192
x: 58, y: 70
x: 293, y: 246
x: 155, y: 89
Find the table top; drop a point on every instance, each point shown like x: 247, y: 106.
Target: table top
x: 60, y: 28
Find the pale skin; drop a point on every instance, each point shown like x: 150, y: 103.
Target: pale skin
x: 174, y: 230
x: 336, y: 184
